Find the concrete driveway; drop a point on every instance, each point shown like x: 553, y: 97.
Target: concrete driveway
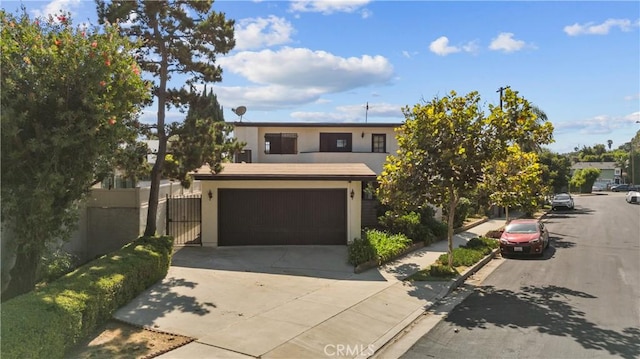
x: 251, y: 300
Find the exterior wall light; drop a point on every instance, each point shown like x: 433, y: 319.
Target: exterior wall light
x: 352, y: 194
x: 210, y: 195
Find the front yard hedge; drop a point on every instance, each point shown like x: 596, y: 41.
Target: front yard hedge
x: 378, y: 245
x: 51, y: 320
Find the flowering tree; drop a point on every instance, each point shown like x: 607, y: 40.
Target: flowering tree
x: 70, y: 98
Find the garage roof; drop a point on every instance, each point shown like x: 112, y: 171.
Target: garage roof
x: 288, y: 171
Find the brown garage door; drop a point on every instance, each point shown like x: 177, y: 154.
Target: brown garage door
x: 282, y: 216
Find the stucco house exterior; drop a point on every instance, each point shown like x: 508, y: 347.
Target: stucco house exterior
x: 275, y: 142
x: 282, y: 204
x: 610, y: 173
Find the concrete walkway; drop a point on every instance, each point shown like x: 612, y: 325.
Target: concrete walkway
x: 332, y: 312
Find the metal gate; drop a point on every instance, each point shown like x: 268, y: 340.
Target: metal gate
x: 184, y: 218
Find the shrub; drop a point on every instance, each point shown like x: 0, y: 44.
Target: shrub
x: 56, y: 264
x: 53, y: 319
x: 483, y: 244
x: 442, y: 271
x: 377, y: 245
x: 408, y: 224
x: 462, y: 257
x: 494, y: 234
x: 387, y: 245
x: 361, y: 251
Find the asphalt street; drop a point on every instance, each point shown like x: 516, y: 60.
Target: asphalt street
x: 581, y: 300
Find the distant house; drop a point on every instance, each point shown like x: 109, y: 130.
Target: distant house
x: 610, y: 173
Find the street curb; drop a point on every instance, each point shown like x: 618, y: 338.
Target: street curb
x: 467, y: 273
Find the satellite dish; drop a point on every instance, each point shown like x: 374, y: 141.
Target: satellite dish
x: 240, y: 110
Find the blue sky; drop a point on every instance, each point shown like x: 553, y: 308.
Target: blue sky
x: 322, y: 61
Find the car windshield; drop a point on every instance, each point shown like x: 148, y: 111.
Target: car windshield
x: 522, y: 228
x: 562, y: 197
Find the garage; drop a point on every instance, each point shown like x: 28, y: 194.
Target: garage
x: 259, y: 204
x: 282, y: 216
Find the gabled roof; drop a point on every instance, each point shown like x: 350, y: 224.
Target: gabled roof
x: 316, y: 124
x: 598, y: 165
x: 288, y: 171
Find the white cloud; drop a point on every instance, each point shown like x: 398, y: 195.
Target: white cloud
x: 327, y: 7
x: 354, y: 113
x: 506, y: 43
x: 591, y: 28
x: 57, y: 6
x: 441, y: 47
x: 632, y: 97
x: 254, y: 33
x: 302, y: 68
x: 599, y: 125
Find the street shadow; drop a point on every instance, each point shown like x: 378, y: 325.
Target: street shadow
x: 546, y: 309
x: 561, y: 242
x: 569, y: 213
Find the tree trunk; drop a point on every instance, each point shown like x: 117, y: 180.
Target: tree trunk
x: 24, y: 274
x: 452, y: 213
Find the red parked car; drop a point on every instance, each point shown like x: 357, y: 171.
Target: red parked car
x: 524, y: 236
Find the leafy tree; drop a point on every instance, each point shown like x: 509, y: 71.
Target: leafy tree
x: 444, y: 146
x: 180, y: 37
x: 515, y: 181
x: 202, y: 138
x: 584, y: 179
x: 556, y: 170
x: 70, y: 97
x: 441, y: 149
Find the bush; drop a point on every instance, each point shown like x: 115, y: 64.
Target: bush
x: 442, y: 271
x: 408, y: 224
x: 56, y: 264
x: 53, y: 319
x: 387, y: 245
x: 361, y: 251
x: 377, y: 245
x: 494, y: 234
x: 462, y: 257
x: 484, y: 244
x: 471, y: 253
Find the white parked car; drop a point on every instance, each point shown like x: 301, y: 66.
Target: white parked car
x: 633, y: 197
x: 562, y: 200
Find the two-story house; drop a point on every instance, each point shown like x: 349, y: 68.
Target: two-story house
x: 296, y: 183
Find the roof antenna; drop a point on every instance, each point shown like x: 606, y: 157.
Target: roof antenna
x: 240, y: 110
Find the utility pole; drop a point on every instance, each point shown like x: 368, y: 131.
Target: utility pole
x: 366, y: 112
x: 500, y: 91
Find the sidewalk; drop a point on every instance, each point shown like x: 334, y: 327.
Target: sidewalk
x: 361, y: 328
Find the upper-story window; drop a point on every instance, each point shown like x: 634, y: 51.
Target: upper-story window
x: 335, y: 142
x: 379, y: 143
x: 281, y: 143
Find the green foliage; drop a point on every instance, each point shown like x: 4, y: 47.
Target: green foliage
x: 204, y: 137
x: 463, y: 257
x: 49, y: 321
x: 445, y: 145
x: 70, y: 99
x: 378, y: 245
x: 471, y: 253
x: 55, y: 264
x: 584, y: 179
x: 442, y: 271
x: 515, y: 180
x: 464, y: 208
x: 419, y: 226
x: 484, y: 244
x: 556, y: 171
x: 361, y: 251
x: 181, y: 38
